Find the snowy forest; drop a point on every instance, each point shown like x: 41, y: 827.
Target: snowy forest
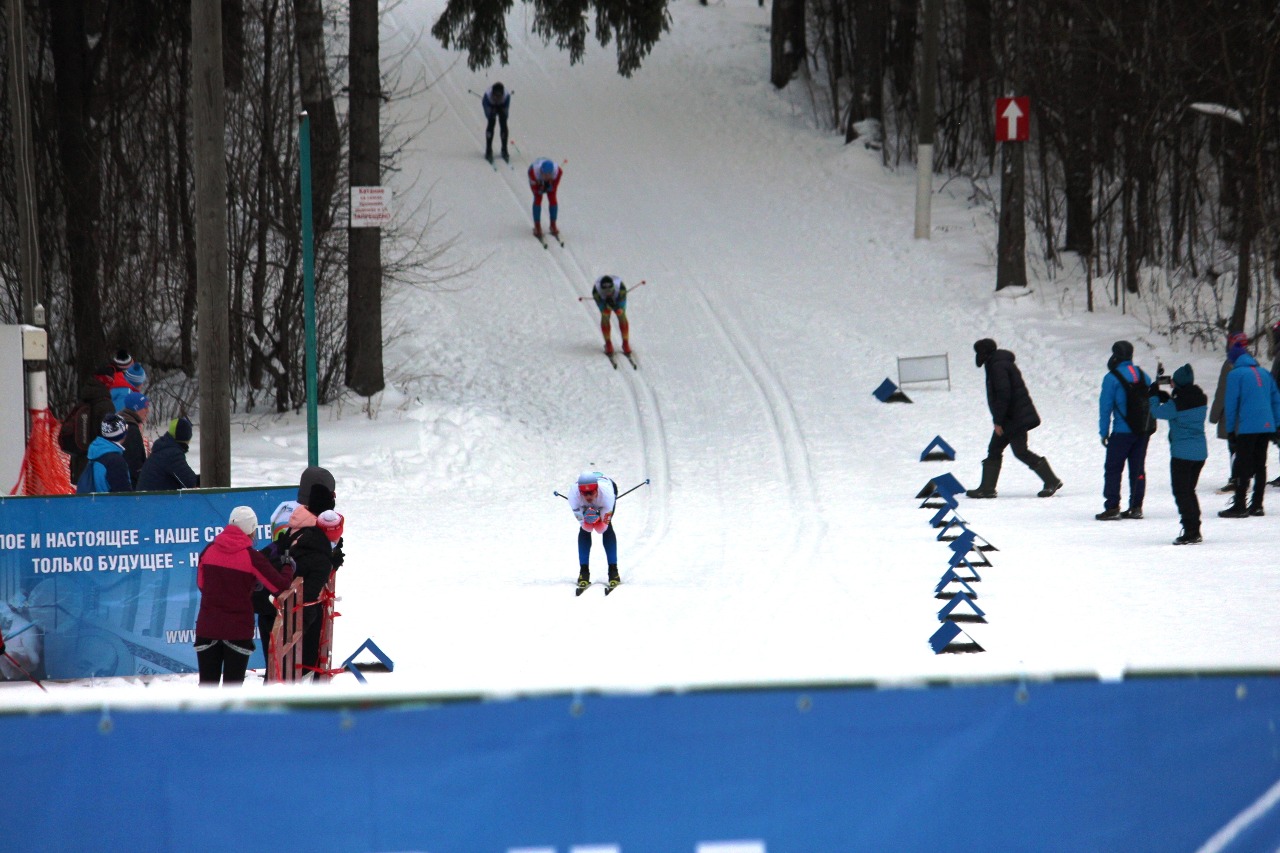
x: 1151, y: 170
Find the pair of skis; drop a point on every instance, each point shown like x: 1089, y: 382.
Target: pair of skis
x: 608, y: 587
x: 543, y: 239
x: 630, y: 356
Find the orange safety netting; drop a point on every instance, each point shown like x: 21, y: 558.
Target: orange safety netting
x: 45, y: 467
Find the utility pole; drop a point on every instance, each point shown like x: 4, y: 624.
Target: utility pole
x: 213, y: 358
x: 928, y: 119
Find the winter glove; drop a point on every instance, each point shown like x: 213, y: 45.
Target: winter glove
x: 336, y: 556
x: 1104, y: 440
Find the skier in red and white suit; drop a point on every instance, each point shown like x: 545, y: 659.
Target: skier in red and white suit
x: 544, y: 179
x: 592, y: 504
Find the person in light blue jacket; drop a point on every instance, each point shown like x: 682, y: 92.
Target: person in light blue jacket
x: 107, y: 471
x: 1124, y: 446
x: 1251, y: 414
x: 1185, y: 410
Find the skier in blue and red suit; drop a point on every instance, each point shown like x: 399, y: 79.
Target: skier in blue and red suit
x: 544, y: 179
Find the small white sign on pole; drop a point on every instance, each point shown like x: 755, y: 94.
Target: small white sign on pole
x: 370, y: 207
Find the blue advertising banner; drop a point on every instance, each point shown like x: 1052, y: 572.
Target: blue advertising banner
x: 1141, y: 766
x: 103, y: 585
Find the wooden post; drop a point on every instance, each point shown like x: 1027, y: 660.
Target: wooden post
x: 213, y: 359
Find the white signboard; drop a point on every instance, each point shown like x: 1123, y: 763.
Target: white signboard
x: 370, y: 207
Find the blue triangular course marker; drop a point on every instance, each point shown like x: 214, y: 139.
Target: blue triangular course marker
x: 949, y: 527
x: 959, y: 566
x: 887, y: 392
x: 938, y: 451
x: 353, y: 668
x: 964, y: 545
x: 942, y: 486
x: 949, y: 639
x: 939, y: 518
x: 961, y: 609
x: 951, y: 586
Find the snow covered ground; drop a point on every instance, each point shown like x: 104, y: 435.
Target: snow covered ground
x: 779, y: 540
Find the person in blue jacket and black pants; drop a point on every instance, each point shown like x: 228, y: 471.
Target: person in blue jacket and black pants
x: 1185, y: 409
x: 1124, y: 446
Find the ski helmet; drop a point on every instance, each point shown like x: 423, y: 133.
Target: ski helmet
x: 547, y: 169
x: 606, y: 283
x: 588, y: 482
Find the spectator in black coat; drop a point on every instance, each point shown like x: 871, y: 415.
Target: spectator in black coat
x: 134, y: 414
x: 1013, y: 416
x: 166, y: 469
x: 96, y: 391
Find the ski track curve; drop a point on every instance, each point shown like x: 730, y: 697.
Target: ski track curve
x: 785, y: 427
x: 643, y: 403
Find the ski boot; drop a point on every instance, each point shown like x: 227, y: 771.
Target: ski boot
x: 505, y: 156
x: 488, y: 155
x: 614, y: 580
x: 584, y: 577
x: 537, y: 230
x: 608, y: 347
x: 555, y: 232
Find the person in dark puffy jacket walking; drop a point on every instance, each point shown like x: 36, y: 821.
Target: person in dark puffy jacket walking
x: 227, y: 573
x: 1013, y: 416
x: 1185, y: 410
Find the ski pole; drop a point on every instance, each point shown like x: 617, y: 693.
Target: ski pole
x: 557, y: 494
x: 629, y: 289
x: 633, y: 488
x: 24, y: 672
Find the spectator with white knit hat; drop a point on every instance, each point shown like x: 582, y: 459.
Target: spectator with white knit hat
x: 229, y: 569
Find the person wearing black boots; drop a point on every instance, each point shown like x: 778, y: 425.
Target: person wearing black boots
x: 1185, y: 410
x: 1251, y: 414
x: 1013, y: 416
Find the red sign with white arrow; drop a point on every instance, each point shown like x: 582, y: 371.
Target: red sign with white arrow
x: 1013, y: 119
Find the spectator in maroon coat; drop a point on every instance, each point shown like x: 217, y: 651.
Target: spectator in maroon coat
x: 229, y: 569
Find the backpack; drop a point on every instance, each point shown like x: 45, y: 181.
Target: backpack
x: 1137, y: 406
x: 74, y: 436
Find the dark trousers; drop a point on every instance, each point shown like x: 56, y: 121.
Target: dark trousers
x: 222, y: 661
x: 1125, y: 448
x: 610, y: 545
x: 501, y: 117
x: 1183, y: 475
x: 1250, y: 466
x: 1017, y: 441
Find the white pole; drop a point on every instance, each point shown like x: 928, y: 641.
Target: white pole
x: 924, y: 189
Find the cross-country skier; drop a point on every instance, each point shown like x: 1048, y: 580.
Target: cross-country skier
x: 592, y: 504
x: 544, y: 179
x: 497, y: 106
x: 610, y: 295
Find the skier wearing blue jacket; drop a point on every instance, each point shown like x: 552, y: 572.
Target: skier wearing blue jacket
x: 1124, y: 446
x: 1185, y: 410
x: 1251, y: 413
x: 106, y: 471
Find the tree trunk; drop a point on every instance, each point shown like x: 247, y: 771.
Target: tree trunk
x: 364, y: 270
x: 81, y: 179
x: 787, y: 41
x: 870, y: 25
x: 208, y: 109
x: 317, y: 100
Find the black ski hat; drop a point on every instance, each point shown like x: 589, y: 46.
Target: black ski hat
x: 982, y: 350
x: 310, y: 477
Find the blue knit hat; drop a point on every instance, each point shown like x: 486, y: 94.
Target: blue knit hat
x: 1235, y: 352
x: 137, y: 401
x: 1184, y: 376
x: 136, y: 375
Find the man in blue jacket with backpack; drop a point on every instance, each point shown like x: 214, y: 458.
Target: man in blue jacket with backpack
x: 1124, y: 388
